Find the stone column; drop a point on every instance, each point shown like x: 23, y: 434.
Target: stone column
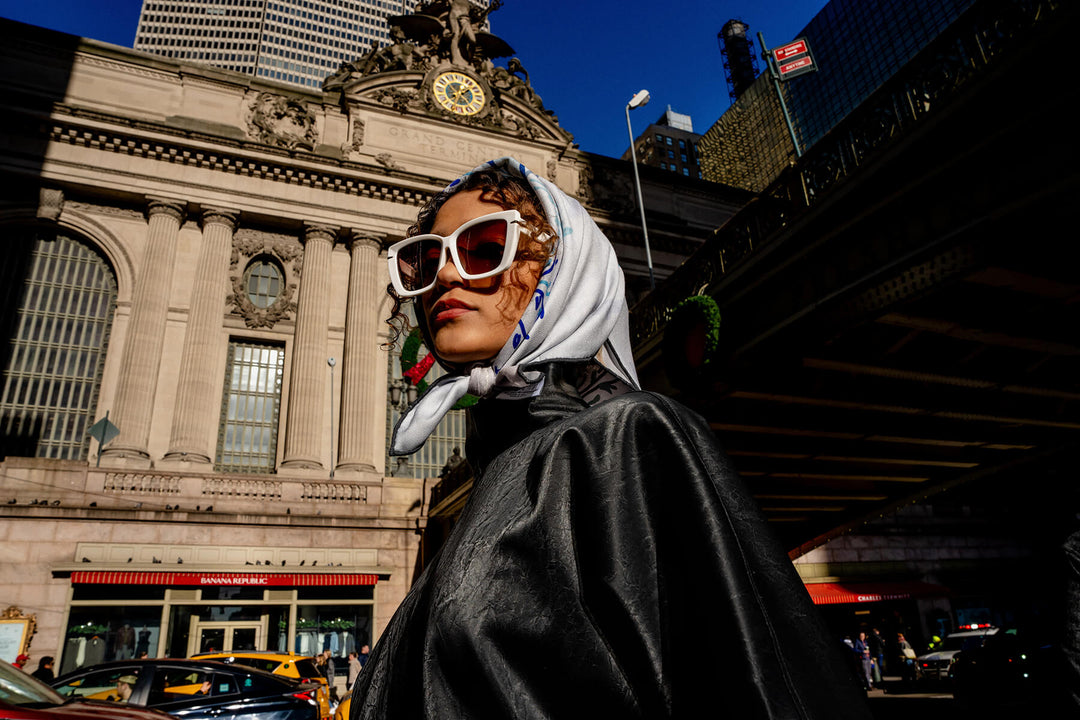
x: 198, y: 393
x: 308, y: 403
x: 141, y: 359
x: 360, y: 374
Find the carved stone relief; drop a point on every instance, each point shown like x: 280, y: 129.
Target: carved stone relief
x: 357, y: 134
x: 585, y: 179
x: 441, y: 35
x: 387, y: 161
x: 281, y: 121
x: 105, y: 210
x: 283, y: 250
x: 399, y: 98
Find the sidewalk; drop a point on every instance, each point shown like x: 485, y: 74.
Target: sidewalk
x: 893, y: 699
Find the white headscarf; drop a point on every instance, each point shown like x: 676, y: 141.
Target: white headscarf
x: 578, y: 309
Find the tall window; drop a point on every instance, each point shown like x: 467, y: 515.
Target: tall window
x: 63, y: 295
x: 247, y: 438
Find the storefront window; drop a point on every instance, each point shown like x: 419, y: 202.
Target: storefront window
x: 196, y: 629
x: 341, y: 629
x: 100, y: 634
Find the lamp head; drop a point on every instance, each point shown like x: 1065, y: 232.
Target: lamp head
x: 640, y: 99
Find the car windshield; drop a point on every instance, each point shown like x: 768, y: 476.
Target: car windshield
x: 18, y: 688
x: 963, y: 643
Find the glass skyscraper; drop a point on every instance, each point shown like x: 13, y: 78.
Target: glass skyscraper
x: 857, y: 46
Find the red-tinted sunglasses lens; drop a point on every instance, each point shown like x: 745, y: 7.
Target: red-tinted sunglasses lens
x: 418, y: 263
x: 481, y: 247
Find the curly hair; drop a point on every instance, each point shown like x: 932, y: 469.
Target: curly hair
x: 511, y: 192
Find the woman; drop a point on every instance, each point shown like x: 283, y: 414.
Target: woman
x: 44, y: 671
x: 608, y: 561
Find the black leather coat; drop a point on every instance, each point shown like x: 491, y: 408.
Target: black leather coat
x: 609, y: 564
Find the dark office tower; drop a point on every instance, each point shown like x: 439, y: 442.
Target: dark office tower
x: 737, y: 51
x: 670, y: 144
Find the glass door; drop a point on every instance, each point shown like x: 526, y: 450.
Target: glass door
x: 212, y: 637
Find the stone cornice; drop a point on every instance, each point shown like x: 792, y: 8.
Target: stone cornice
x: 243, y: 158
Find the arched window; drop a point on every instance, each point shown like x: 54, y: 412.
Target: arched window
x: 63, y: 295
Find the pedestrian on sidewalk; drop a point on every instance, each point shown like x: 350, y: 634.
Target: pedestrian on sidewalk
x: 906, y: 658
x: 354, y: 669
x: 44, y: 673
x: 877, y: 653
x: 862, y: 652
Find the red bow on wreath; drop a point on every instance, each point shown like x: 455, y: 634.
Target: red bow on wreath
x: 417, y: 372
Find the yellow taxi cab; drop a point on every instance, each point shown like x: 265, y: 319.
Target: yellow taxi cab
x: 301, y: 667
x: 342, y: 712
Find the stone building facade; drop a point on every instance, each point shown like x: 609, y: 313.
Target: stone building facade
x: 194, y: 260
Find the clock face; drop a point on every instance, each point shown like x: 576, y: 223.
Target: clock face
x: 458, y: 93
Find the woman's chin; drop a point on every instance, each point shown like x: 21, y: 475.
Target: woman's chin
x: 454, y: 347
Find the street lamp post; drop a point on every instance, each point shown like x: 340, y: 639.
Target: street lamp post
x: 640, y: 99
x: 333, y: 460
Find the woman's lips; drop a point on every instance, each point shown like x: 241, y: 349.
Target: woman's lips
x: 448, y: 309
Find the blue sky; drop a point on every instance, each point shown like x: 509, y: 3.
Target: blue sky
x: 586, y: 58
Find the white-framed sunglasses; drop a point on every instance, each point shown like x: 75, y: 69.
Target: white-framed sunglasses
x: 481, y: 248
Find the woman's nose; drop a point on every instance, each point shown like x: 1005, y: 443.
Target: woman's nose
x: 448, y: 274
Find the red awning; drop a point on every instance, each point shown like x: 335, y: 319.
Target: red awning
x: 839, y: 593
x: 224, y: 578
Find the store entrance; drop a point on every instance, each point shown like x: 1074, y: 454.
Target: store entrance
x: 211, y: 636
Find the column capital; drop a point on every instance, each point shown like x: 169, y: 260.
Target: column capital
x: 360, y: 238
x: 220, y: 216
x: 316, y: 230
x: 169, y: 206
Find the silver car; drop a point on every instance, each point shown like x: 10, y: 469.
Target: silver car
x: 935, y: 665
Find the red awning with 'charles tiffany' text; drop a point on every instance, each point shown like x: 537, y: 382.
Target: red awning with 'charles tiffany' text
x: 840, y: 593
x: 231, y: 579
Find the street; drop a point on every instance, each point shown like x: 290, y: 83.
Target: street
x: 895, y: 701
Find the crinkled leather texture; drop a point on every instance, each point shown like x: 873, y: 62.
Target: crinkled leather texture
x: 1070, y: 642
x: 611, y: 564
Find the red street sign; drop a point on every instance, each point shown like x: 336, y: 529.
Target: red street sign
x: 793, y: 59
x: 786, y: 52
x: 787, y: 68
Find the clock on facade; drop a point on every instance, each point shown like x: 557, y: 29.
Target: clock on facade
x: 458, y: 93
